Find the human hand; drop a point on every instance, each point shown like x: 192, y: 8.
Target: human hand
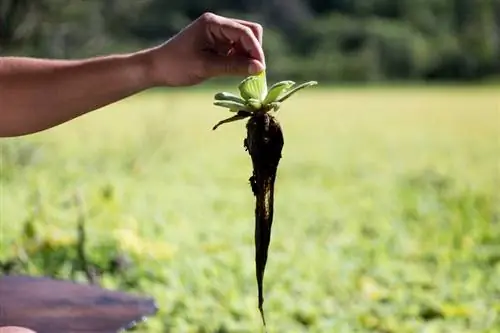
x: 210, y: 46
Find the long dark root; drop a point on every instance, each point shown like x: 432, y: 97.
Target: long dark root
x: 264, y: 143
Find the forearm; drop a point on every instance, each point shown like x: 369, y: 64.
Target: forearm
x: 36, y: 94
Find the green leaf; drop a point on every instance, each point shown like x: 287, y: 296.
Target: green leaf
x: 294, y: 90
x: 254, y: 103
x: 275, y: 106
x: 277, y: 90
x: 233, y: 106
x: 254, y: 87
x: 226, y: 96
x: 229, y: 120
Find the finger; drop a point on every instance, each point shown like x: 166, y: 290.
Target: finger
x: 256, y: 28
x: 244, y: 40
x: 223, y: 29
x: 233, y: 65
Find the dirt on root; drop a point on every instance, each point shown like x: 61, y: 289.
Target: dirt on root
x: 264, y: 143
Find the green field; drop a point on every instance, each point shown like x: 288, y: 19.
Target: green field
x: 387, y: 214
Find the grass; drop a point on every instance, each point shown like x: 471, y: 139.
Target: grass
x: 387, y: 214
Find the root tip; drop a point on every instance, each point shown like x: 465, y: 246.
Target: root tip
x: 263, y: 317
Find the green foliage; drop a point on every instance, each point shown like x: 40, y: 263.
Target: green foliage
x: 355, y: 40
x: 387, y: 215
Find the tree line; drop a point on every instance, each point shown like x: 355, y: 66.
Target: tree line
x: 327, y: 40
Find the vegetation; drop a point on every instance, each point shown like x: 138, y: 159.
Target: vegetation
x: 333, y: 40
x: 264, y: 143
x: 387, y: 211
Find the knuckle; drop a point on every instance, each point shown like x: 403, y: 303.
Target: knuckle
x: 247, y: 31
x: 208, y: 17
x: 258, y: 28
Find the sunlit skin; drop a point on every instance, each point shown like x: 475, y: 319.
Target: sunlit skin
x: 37, y: 94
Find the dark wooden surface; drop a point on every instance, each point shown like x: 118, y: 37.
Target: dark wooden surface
x: 56, y: 306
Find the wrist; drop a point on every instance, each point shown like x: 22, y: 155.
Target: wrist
x: 151, y: 65
x: 161, y: 65
x: 141, y: 68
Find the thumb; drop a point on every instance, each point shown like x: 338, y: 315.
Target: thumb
x: 232, y: 65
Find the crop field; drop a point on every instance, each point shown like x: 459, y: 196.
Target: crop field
x: 387, y: 210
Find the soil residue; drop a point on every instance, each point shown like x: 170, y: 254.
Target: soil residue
x: 264, y: 143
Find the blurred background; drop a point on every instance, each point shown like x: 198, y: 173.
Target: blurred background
x: 330, y: 40
x: 387, y: 211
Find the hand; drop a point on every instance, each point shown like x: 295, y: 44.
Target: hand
x: 210, y: 46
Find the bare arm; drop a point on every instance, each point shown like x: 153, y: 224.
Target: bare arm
x: 37, y: 94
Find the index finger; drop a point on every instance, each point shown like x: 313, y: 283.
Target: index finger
x: 227, y: 29
x: 256, y: 28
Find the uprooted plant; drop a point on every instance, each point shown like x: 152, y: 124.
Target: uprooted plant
x: 264, y: 143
